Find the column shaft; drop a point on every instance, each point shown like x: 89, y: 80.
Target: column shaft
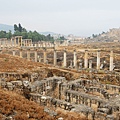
x: 111, y: 61
x: 90, y: 64
x: 98, y: 60
x: 36, y: 56
x: 86, y: 59
x: 45, y: 56
x: 55, y: 58
x: 64, y: 60
x: 28, y: 54
x: 75, y: 59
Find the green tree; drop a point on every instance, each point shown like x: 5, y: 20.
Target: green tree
x: 20, y: 28
x: 15, y: 27
x: 9, y: 34
x: 2, y: 34
x: 62, y: 38
x: 20, y: 31
x: 94, y: 36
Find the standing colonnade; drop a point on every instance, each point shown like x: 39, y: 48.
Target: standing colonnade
x: 87, y: 63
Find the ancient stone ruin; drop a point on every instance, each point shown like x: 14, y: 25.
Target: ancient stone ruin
x: 92, y: 94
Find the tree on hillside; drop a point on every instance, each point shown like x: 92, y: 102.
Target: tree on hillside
x: 15, y: 27
x: 20, y: 31
x: 62, y: 38
x: 20, y: 28
x: 2, y: 34
x: 9, y: 34
x: 94, y: 36
x: 49, y: 38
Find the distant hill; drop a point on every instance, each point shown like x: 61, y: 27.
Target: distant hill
x: 6, y: 28
x: 113, y: 35
x: 47, y: 33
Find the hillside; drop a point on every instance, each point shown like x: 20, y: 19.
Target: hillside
x: 19, y: 65
x: 113, y: 35
x: 47, y: 33
x: 6, y: 28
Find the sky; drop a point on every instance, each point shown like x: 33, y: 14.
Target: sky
x: 78, y: 17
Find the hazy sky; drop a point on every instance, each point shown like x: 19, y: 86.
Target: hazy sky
x: 78, y: 17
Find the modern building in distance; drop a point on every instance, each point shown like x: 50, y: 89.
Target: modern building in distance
x: 75, y: 40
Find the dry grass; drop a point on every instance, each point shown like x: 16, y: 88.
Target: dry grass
x: 12, y: 104
x: 9, y: 63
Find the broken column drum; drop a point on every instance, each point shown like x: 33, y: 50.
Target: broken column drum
x: 13, y: 52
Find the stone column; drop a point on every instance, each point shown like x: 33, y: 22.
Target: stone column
x: 98, y: 59
x: 39, y: 58
x: 64, y: 59
x: 86, y: 59
x: 13, y: 52
x: 25, y: 42
x: 28, y: 54
x: 20, y: 53
x: 90, y: 64
x: 55, y: 57
x: 19, y: 41
x: 36, y: 55
x: 45, y: 56
x: 75, y: 59
x: 80, y: 65
x: 111, y: 61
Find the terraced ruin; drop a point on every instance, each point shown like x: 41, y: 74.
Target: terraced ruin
x: 70, y: 83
